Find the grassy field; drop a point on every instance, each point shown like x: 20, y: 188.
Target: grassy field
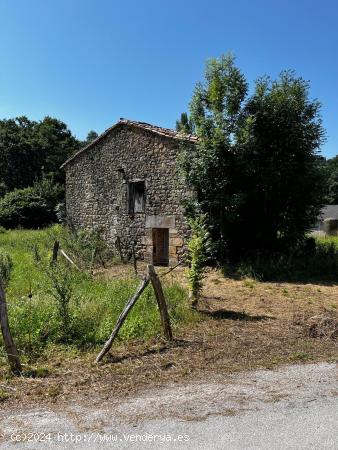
x: 241, y: 324
x: 94, y: 306
x: 327, y: 241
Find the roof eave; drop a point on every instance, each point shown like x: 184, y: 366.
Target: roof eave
x: 189, y: 138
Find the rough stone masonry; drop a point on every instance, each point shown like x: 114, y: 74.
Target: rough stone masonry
x: 127, y: 184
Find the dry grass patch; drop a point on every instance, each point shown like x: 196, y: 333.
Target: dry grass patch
x: 321, y: 326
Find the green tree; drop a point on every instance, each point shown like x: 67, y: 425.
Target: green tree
x: 331, y: 175
x: 55, y: 143
x: 29, y: 150
x: 281, y: 135
x: 184, y: 124
x: 91, y: 136
x: 198, y: 249
x: 214, y: 167
x: 31, y: 207
x: 19, y: 158
x: 255, y: 168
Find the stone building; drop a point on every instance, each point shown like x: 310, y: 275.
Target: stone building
x: 126, y: 184
x: 327, y: 221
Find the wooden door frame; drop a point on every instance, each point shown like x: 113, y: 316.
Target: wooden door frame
x: 165, y: 260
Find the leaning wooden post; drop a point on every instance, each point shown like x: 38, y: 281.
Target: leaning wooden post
x: 10, y: 348
x: 64, y: 254
x: 162, y: 305
x: 122, y: 318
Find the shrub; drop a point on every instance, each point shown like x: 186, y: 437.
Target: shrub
x: 61, y: 288
x: 60, y: 212
x: 30, y: 207
x: 314, y: 259
x: 197, y: 254
x: 6, y: 266
x: 86, y: 247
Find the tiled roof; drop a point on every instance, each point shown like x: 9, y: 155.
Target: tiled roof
x: 158, y: 130
x: 167, y: 132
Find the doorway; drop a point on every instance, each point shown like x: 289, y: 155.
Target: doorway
x: 160, y: 246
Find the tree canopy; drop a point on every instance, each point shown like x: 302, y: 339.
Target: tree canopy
x: 255, y: 169
x: 184, y: 124
x: 30, y: 150
x: 330, y: 168
x: 91, y: 136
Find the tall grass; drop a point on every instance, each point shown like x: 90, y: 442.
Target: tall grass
x: 325, y: 241
x: 94, y: 304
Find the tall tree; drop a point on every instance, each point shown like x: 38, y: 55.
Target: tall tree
x: 214, y: 169
x: 281, y: 135
x: 255, y: 167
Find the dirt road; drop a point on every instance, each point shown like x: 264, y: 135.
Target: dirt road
x: 295, y: 407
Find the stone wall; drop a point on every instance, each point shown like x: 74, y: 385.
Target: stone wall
x: 97, y: 189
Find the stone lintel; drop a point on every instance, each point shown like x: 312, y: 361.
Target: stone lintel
x: 160, y: 221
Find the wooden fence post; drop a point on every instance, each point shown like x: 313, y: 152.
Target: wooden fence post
x: 119, y: 247
x: 122, y: 318
x: 10, y: 348
x: 162, y: 305
x: 55, y: 251
x: 134, y: 258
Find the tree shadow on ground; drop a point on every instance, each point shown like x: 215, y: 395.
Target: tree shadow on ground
x: 152, y: 351
x: 286, y: 278
x: 274, y: 274
x: 226, y: 314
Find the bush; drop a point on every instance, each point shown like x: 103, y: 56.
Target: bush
x: 60, y: 285
x: 86, y: 247
x: 6, y: 266
x: 60, y: 212
x: 30, y: 207
x: 197, y: 253
x: 315, y: 259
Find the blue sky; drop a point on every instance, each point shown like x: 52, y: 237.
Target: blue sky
x: 90, y: 62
